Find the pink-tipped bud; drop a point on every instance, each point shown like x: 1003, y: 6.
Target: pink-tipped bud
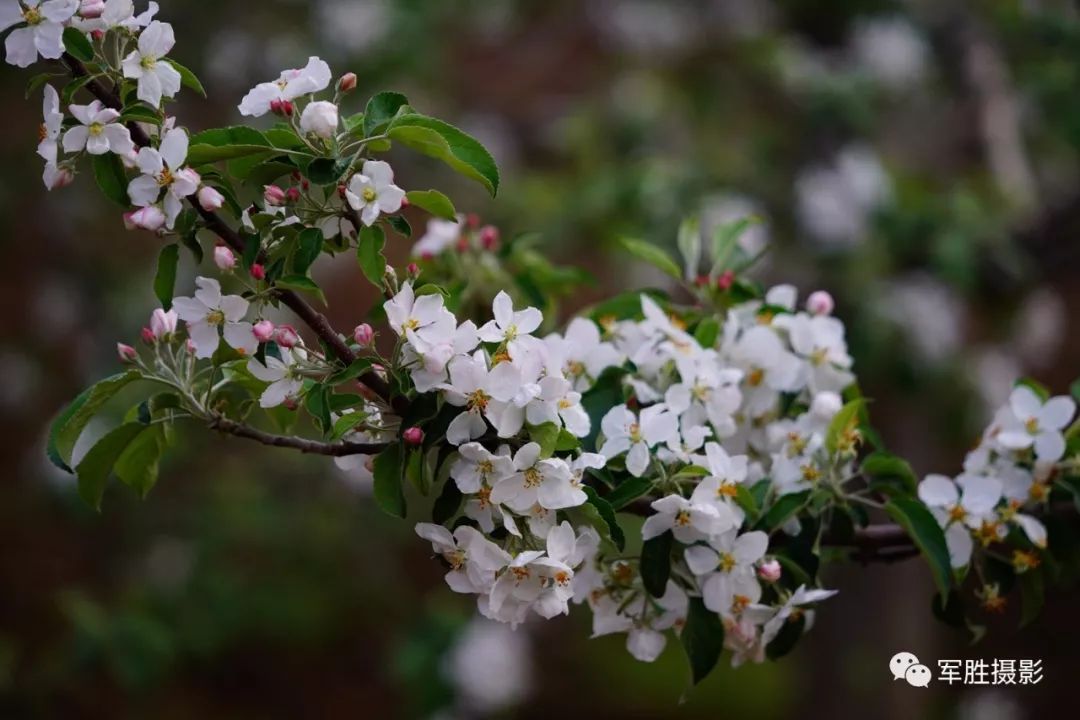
x: 126, y: 353
x: 257, y: 271
x: 292, y: 195
x: 701, y: 280
x: 489, y: 237
x: 210, y: 199
x: 770, y: 570
x: 263, y: 330
x: 148, y: 218
x: 463, y: 244
x: 305, y: 184
x: 341, y: 190
x: 190, y: 346
x: 162, y: 323
x: 97, y: 35
x: 92, y: 9
x: 148, y: 336
x: 405, y: 202
x: 726, y: 280
x: 413, y: 436
x: 281, y: 107
x: 820, y: 303
x: 224, y: 258
x: 295, y: 175
x: 59, y: 177
x: 347, y: 83
x: 286, y: 336
x: 472, y: 220
x: 363, y: 335
x: 273, y: 195
x: 414, y: 270
x: 290, y: 403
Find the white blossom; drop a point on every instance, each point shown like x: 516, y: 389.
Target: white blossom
x: 156, y: 77
x: 372, y: 191
x: 312, y: 78
x: 208, y: 311
x: 43, y: 32
x: 98, y: 131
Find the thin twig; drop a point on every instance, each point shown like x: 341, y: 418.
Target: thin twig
x: 315, y: 447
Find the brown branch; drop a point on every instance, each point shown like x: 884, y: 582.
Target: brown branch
x: 313, y: 318
x: 315, y: 447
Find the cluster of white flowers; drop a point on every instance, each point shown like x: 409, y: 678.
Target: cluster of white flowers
x: 1004, y: 479
x: 700, y: 422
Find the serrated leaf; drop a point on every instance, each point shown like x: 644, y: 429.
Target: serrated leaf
x: 93, y: 470
x: 702, y: 638
x: 137, y: 466
x: 924, y: 530
x: 388, y: 490
x: 651, y: 254
x: 165, y: 277
x: 401, y: 226
x: 433, y: 202
x: 78, y: 45
x: 656, y: 563
x: 304, y: 284
x: 445, y: 142
x: 69, y: 425
x: 111, y: 178
x: 380, y: 110
x: 369, y: 254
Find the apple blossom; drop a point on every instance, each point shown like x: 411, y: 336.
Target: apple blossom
x: 210, y: 199
x: 162, y: 169
x: 286, y: 336
x: 224, y: 258
x: 150, y: 218
x: 320, y: 118
x: 208, y: 311
x: 44, y: 26
x: 163, y: 323
x: 263, y: 331
x: 156, y: 78
x: 292, y: 84
x: 372, y: 191
x: 127, y: 353
x: 1037, y: 424
x: 363, y: 334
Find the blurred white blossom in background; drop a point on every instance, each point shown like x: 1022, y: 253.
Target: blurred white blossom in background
x: 835, y: 201
x: 490, y: 667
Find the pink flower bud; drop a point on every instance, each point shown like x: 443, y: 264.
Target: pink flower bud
x: 701, y: 280
x: 190, y: 175
x: 489, y: 237
x: 273, y: 195
x: 148, y: 336
x: 281, y: 107
x: 413, y: 436
x: 190, y: 346
x: 363, y: 335
x: 97, y: 35
x: 59, y: 177
x: 210, y: 199
x: 405, y: 202
x: 413, y: 270
x: 290, y: 403
x: 92, y: 9
x: 224, y: 258
x: 770, y: 570
x: 162, y: 323
x: 148, y: 218
x: 820, y: 303
x: 257, y: 271
x: 263, y: 330
x: 292, y: 195
x: 286, y: 336
x: 472, y: 220
x: 726, y: 280
x: 127, y: 353
x: 347, y: 83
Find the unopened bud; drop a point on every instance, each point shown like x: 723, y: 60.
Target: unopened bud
x: 210, y: 199
x: 405, y: 202
x: 97, y: 35
x: 341, y: 190
x: 263, y: 330
x: 363, y: 335
x: 60, y: 177
x: 224, y: 258
x: 472, y: 220
x: 413, y: 436
x: 347, y: 83
x: 92, y: 9
x: 286, y: 336
x: 489, y: 237
x: 820, y: 303
x: 292, y: 195
x: 148, y: 218
x: 770, y: 570
x: 273, y: 195
x: 281, y: 107
x: 126, y: 353
x: 701, y: 280
x: 257, y: 271
x: 147, y: 336
x: 290, y: 403
x: 414, y: 270
x: 163, y: 323
x: 726, y: 280
x: 825, y: 405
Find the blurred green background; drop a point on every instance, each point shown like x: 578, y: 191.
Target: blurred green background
x: 919, y: 159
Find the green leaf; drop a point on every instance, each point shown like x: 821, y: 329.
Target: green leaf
x: 546, y: 435
x: 886, y: 467
x: 702, y: 638
x: 924, y: 530
x: 783, y: 509
x: 299, y: 282
x: 137, y: 466
x: 111, y: 178
x: 235, y: 135
x: 78, y: 45
x: 445, y: 142
x: 842, y: 422
x: 369, y: 254
x: 651, y: 254
x: 69, y: 425
x: 401, y: 226
x: 628, y: 491
x: 434, y: 202
x: 187, y: 78
x: 689, y: 242
x: 389, y: 494
x: 606, y: 393
x: 37, y: 81
x: 165, y: 278
x: 380, y: 110
x: 140, y: 113
x: 707, y: 331
x: 308, y: 247
x: 1075, y: 389
x: 207, y: 154
x: 787, y: 638
x: 93, y: 470
x: 656, y: 563
x: 607, y: 513
x: 725, y: 239
x: 355, y: 370
x: 323, y: 171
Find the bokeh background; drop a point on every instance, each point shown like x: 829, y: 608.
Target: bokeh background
x: 918, y: 158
